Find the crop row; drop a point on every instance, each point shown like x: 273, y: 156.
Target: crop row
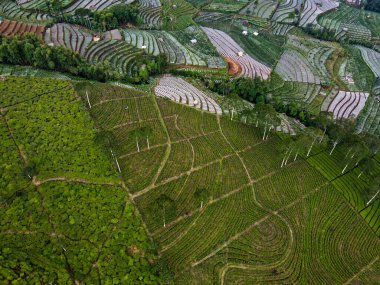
x: 357, y: 24
x: 293, y: 66
x: 369, y: 119
x: 150, y: 3
x: 151, y: 16
x: 40, y: 5
x: 120, y: 55
x: 262, y: 9
x: 219, y: 222
x: 156, y: 42
x: 313, y: 8
x: 285, y: 9
x: 280, y: 29
x: 228, y: 48
x: 13, y: 28
x: 348, y: 104
x: 372, y: 59
x: 178, y: 90
x: 269, y: 252
x: 290, y: 91
x: 13, y: 11
x: 63, y: 143
x: 69, y: 36
x: 96, y: 5
x: 177, y: 14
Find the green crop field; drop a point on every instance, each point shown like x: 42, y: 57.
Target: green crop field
x: 73, y: 220
x: 226, y: 6
x: 254, y: 216
x: 186, y: 142
x: 348, y: 16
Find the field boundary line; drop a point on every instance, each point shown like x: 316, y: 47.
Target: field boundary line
x: 369, y: 265
x: 11, y: 232
x: 118, y: 99
x: 235, y: 151
x: 164, y: 144
x: 69, y: 180
x: 39, y: 95
x: 271, y: 213
x: 20, y: 152
x: 226, y: 195
x: 169, y: 143
x: 133, y: 122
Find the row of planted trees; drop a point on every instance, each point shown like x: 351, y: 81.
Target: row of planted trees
x: 325, y: 134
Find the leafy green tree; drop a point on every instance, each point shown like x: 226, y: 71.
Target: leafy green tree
x: 357, y: 150
x: 164, y: 207
x: 338, y: 132
x: 368, y: 165
x: 314, y: 135
x: 372, y: 191
x: 323, y: 121
x: 201, y: 195
x: 267, y: 117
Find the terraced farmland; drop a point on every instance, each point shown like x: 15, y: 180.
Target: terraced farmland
x: 41, y: 5
x: 369, y: 119
x: 280, y: 29
x: 70, y: 36
x: 256, y: 217
x: 372, y: 59
x: 356, y: 24
x: 285, y: 12
x: 195, y: 40
x: 348, y: 104
x: 229, y: 49
x: 179, y: 90
x: 162, y: 42
x: 120, y: 55
x: 264, y: 47
x: 263, y: 9
x: 290, y: 91
x: 177, y: 14
x: 96, y: 5
x: 226, y: 5
x: 12, y: 11
x: 351, y: 180
x: 14, y: 28
x: 313, y: 8
x: 152, y: 178
x: 210, y: 17
x: 150, y: 3
x: 293, y: 66
x: 304, y: 60
x: 151, y: 15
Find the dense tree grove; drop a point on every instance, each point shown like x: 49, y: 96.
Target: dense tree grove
x: 29, y: 50
x: 79, y: 227
x: 111, y: 18
x: 330, y: 35
x: 372, y: 5
x: 252, y: 90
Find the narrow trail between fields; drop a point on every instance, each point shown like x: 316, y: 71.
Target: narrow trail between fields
x: 21, y: 153
x: 368, y: 266
x: 166, y: 144
x: 225, y: 244
x: 64, y: 179
x: 222, y: 197
x: 197, y: 168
